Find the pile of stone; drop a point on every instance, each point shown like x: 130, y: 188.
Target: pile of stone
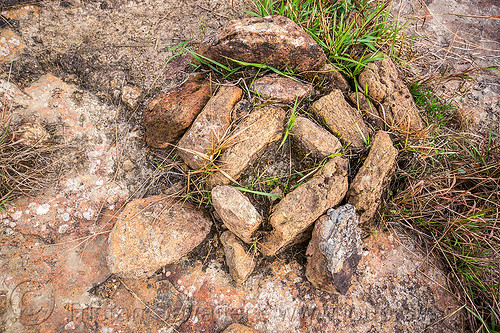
x: 204, y: 122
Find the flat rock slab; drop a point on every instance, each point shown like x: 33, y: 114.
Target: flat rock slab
x: 207, y: 132
x: 240, y: 261
x: 281, y: 89
x: 168, y: 115
x: 367, y: 188
x: 236, y: 211
x: 153, y: 232
x: 314, y: 139
x: 341, y: 118
x: 301, y: 207
x: 272, y: 40
x: 253, y: 134
x: 334, y: 251
x: 398, y: 109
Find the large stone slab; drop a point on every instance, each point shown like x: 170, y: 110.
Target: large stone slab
x: 153, y: 232
x: 334, y: 251
x: 239, y: 261
x: 209, y: 128
x: 168, y: 115
x: 383, y: 85
x: 273, y: 40
x: 301, y: 207
x: 236, y: 211
x: 253, y: 134
x: 367, y: 188
x: 341, y: 118
x: 314, y: 139
x: 281, y: 89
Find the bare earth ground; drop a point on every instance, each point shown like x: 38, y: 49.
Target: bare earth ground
x: 67, y: 66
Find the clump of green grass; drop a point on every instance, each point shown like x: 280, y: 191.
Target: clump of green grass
x: 351, y: 32
x: 448, y: 196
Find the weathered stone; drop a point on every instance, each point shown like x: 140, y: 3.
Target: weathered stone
x: 329, y: 77
x: 273, y: 40
x: 342, y: 119
x: 32, y: 134
x: 281, y: 89
x: 253, y: 134
x: 314, y: 139
x: 209, y: 129
x: 236, y: 211
x: 334, y: 250
x: 11, y: 45
x: 370, y: 111
x: 366, y: 190
x: 153, y: 232
x: 168, y: 115
x: 382, y: 83
x: 301, y: 207
x: 130, y: 96
x: 240, y: 262
x: 238, y: 328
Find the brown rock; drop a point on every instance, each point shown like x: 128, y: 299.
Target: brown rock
x: 334, y: 250
x: 152, y: 232
x: 11, y: 45
x: 342, y: 119
x: 238, y: 328
x: 382, y: 82
x: 130, y: 96
x: 301, y: 207
x: 273, y: 40
x: 32, y: 134
x: 236, y: 211
x: 314, y: 139
x: 167, y: 116
x: 281, y: 89
x: 329, y: 77
x: 252, y: 135
x: 366, y: 190
x: 209, y: 128
x: 240, y: 262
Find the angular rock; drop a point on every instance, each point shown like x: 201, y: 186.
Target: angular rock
x: 130, y: 96
x: 273, y: 40
x: 329, y: 77
x: 11, y: 45
x: 314, y: 139
x: 253, y: 134
x: 168, y: 115
x: 281, y: 89
x: 238, y: 328
x: 236, y: 211
x: 366, y: 190
x: 342, y: 119
x: 301, y: 207
x: 152, y: 232
x: 209, y: 129
x: 32, y: 134
x: 240, y: 262
x: 368, y: 108
x: 334, y: 250
x: 382, y: 83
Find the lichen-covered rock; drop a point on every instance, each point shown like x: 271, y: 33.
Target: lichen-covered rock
x: 281, y: 89
x: 382, y: 83
x: 334, y: 250
x: 32, y: 134
x: 11, y: 45
x: 240, y: 261
x: 342, y: 119
x: 209, y: 129
x: 253, y: 134
x: 168, y: 115
x: 301, y: 207
x: 236, y: 211
x: 366, y: 190
x: 238, y: 328
x: 314, y: 139
x: 153, y: 232
x: 273, y: 40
